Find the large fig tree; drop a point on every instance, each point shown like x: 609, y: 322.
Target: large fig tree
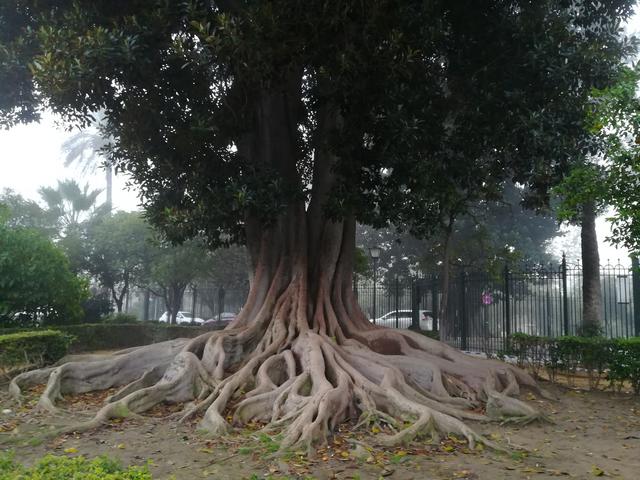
x: 279, y: 124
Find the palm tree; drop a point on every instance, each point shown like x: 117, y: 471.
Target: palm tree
x: 84, y: 148
x: 68, y: 202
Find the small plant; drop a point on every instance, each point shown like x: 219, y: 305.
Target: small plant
x: 597, y: 355
x: 52, y: 467
x: 625, y: 363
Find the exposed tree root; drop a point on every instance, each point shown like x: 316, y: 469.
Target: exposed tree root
x: 302, y: 385
x: 302, y: 358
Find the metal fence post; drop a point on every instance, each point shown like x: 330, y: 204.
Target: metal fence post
x: 463, y: 311
x: 415, y: 303
x: 635, y: 275
x: 434, y: 302
x: 396, y: 305
x: 507, y: 307
x: 565, y: 295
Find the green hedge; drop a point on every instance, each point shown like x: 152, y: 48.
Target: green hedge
x: 109, y: 336
x: 32, y: 349
x: 618, y: 358
x: 52, y: 467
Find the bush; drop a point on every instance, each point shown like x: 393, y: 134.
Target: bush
x: 110, y: 336
x: 529, y: 350
x: 625, y: 363
x: 619, y: 358
x: 32, y: 349
x: 36, y: 284
x: 120, y: 318
x: 51, y: 467
x: 96, y: 308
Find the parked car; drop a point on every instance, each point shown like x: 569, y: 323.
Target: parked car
x: 182, y: 317
x: 404, y: 318
x: 225, y: 317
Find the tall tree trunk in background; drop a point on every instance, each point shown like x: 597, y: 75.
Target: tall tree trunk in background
x: 109, y: 178
x: 445, y: 275
x: 146, y: 302
x: 591, y: 289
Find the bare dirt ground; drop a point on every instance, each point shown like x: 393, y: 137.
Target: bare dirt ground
x: 594, y: 434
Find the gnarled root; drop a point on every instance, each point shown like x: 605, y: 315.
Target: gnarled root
x: 99, y: 374
x: 301, y: 382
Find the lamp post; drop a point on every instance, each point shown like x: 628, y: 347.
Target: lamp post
x: 374, y: 253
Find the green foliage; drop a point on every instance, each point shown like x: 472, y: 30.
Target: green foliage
x: 619, y: 358
x: 120, y: 318
x: 110, y: 336
x: 585, y: 183
x: 32, y: 349
x: 52, y: 467
x: 96, y: 307
x: 69, y: 203
x: 36, y: 284
x: 174, y: 267
x: 361, y: 263
x: 27, y: 213
x: 625, y: 363
x: 439, y: 102
x: 611, y: 175
x: 118, y: 252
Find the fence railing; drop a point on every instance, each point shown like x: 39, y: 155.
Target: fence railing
x: 480, y: 309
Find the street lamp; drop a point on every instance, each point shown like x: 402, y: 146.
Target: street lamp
x: 374, y: 253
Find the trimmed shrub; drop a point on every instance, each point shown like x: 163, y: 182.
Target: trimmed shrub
x: 120, y: 318
x: 32, y: 349
x: 618, y: 358
x: 625, y: 363
x: 112, y: 336
x: 52, y: 467
x: 530, y: 351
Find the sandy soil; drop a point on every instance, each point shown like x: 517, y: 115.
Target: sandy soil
x: 593, y: 434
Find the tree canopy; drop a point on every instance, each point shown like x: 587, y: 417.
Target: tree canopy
x: 419, y: 104
x: 36, y: 284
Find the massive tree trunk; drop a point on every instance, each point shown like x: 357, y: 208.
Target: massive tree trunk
x: 591, y: 289
x: 301, y: 356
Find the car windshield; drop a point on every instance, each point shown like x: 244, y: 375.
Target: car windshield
x: 186, y: 314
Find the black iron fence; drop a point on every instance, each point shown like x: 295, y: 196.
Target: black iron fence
x: 477, y: 311
x: 481, y: 310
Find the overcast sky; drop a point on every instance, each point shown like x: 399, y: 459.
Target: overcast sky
x: 31, y: 156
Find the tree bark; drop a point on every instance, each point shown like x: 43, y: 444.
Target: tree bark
x: 591, y: 289
x: 109, y: 180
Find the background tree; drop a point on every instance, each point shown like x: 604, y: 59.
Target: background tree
x: 583, y: 195
x: 22, y: 212
x: 606, y: 179
x: 615, y: 124
x: 84, y: 148
x: 36, y: 284
x: 69, y: 203
x: 229, y: 270
x: 118, y: 253
x: 173, y: 268
x: 280, y: 124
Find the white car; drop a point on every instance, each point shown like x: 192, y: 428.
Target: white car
x: 404, y: 318
x: 182, y: 317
